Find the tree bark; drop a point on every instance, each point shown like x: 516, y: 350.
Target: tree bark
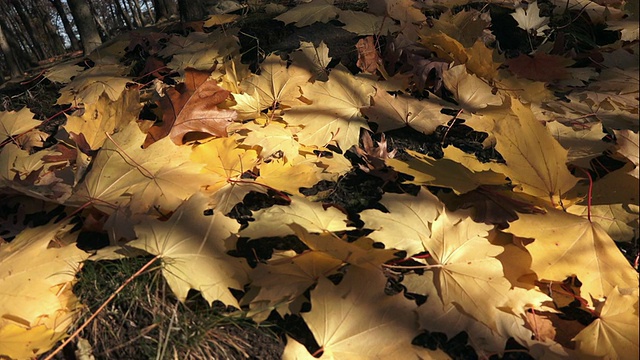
x: 136, y: 11
x: 36, y: 44
x: 124, y: 14
x: 86, y: 26
x: 14, y: 70
x: 165, y: 9
x: 75, y: 45
x: 191, y: 10
x: 152, y: 19
x: 55, y: 43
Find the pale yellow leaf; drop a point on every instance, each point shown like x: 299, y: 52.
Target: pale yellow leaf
x: 628, y: 145
x: 309, y: 13
x: 316, y: 59
x: 614, y: 335
x: 335, y: 112
x: 407, y: 224
x: 565, y: 245
x: 105, y: 117
x: 446, y: 172
x: 272, y: 138
x: 159, y: 176
x: 393, y: 112
x: 90, y: 84
x: 16, y: 122
x: 360, y: 253
x: 582, y: 144
x: 193, y: 248
x: 274, y: 221
x: 465, y: 269
x: 356, y: 320
x: 36, y: 316
x: 471, y: 93
x: 277, y: 82
x: 536, y: 162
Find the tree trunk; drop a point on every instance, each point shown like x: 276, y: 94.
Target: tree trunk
x: 14, y: 69
x: 136, y: 11
x: 30, y: 31
x: 152, y: 19
x: 165, y: 9
x: 191, y: 10
x: 124, y: 14
x: 75, y: 45
x: 55, y: 42
x: 86, y: 26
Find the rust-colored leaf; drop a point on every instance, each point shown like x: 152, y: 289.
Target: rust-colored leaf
x: 192, y: 106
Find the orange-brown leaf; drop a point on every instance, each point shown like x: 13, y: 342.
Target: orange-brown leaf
x: 192, y: 106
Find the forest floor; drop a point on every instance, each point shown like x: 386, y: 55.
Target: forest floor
x: 145, y: 317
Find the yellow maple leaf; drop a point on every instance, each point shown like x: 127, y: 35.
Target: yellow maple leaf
x: 224, y: 164
x: 105, y: 117
x: 452, y: 171
x: 335, y: 112
x: 277, y: 83
x: 274, y: 221
x: 309, y: 13
x: 289, y: 175
x: 614, y: 334
x: 35, y: 317
x: 407, y: 224
x: 393, y: 112
x: 281, y: 281
x: 565, y: 245
x: 90, y: 84
x: 362, y: 23
x: 272, y: 138
x: 193, y: 248
x: 315, y: 59
x: 16, y: 122
x: 359, y: 253
x: 536, y: 162
x: 159, y: 176
x: 465, y: 269
x: 471, y: 93
x: 356, y: 320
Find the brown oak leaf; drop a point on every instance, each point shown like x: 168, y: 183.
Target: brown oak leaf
x: 192, y: 106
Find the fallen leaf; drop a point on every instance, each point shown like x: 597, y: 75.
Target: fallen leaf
x: 309, y: 13
x: 536, y: 162
x: 615, y: 333
x: 122, y: 173
x: 565, y: 245
x: 627, y: 144
x: 356, y: 320
x: 35, y: 317
x: 407, y: 225
x: 87, y: 86
x: 274, y: 221
x: 277, y: 84
x: 192, y: 106
x: 529, y: 19
x: 104, y: 117
x: 368, y: 57
x: 471, y: 93
x: 193, y: 248
x: 393, y: 112
x: 335, y: 112
x: 14, y: 123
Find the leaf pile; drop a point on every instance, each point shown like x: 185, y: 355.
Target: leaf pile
x: 159, y: 149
